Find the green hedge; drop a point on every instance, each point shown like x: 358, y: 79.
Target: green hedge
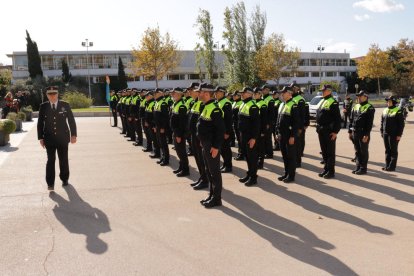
x: 77, y: 100
x: 7, y: 125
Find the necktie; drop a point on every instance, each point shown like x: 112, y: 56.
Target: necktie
x: 53, y: 107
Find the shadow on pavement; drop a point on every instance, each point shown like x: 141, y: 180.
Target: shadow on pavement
x: 79, y: 217
x: 8, y: 148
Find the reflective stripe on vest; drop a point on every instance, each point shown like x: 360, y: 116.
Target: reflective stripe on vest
x: 159, y: 104
x: 287, y: 107
x: 297, y: 99
x: 188, y: 102
x: 113, y: 98
x: 134, y: 100
x: 391, y: 112
x: 128, y: 100
x: 245, y: 108
x: 143, y: 102
x: 150, y: 107
x: 222, y: 102
x: 208, y: 109
x: 261, y: 103
x: 196, y: 107
x: 268, y: 99
x: 326, y: 104
x: 177, y: 105
x: 236, y: 104
x: 362, y: 108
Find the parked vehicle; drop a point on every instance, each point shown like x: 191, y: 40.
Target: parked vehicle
x: 317, y: 101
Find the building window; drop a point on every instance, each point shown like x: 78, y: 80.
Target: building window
x: 149, y: 78
x: 330, y: 74
x: 328, y: 62
x: 287, y: 74
x: 196, y: 76
x: 303, y: 62
x: 301, y: 74
x: 176, y: 77
x: 314, y: 62
x: 344, y: 74
x: 315, y: 74
x: 352, y: 62
x: 341, y: 62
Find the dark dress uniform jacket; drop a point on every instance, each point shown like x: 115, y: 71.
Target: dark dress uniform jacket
x: 52, y: 126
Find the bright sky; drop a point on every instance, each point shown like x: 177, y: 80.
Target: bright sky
x: 351, y: 25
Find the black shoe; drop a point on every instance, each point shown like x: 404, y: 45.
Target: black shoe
x: 177, y: 170
x: 65, y: 183
x: 260, y: 166
x: 252, y: 181
x: 126, y: 136
x: 268, y: 156
x: 131, y: 140
x: 200, y: 186
x: 288, y: 180
x: 146, y: 149
x: 183, y: 173
x: 213, y: 202
x: 384, y: 168
x: 354, y: 171
x: 226, y: 170
x: 50, y: 188
x: 353, y: 160
x: 195, y: 183
x: 322, y: 162
x: 244, y: 179
x: 329, y: 176
x: 190, y: 153
x: 281, y: 178
x: 164, y: 163
x: 122, y: 133
x: 205, y: 200
x: 390, y: 169
x: 298, y: 165
x: 322, y: 173
x: 160, y: 161
x: 361, y: 172
x: 239, y: 157
x: 154, y: 156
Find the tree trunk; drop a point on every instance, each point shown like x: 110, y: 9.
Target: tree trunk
x: 379, y: 88
x: 156, y: 82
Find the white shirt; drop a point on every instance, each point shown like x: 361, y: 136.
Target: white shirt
x: 56, y: 103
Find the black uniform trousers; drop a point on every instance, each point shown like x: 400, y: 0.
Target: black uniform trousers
x: 138, y: 130
x: 237, y: 132
x: 361, y: 151
x: 252, y: 155
x: 268, y: 146
x: 198, y: 155
x: 115, y: 116
x: 328, y: 148
x: 181, y: 150
x: 148, y: 135
x: 346, y: 117
x: 154, y: 140
x: 123, y: 119
x: 212, y: 170
x: 62, y: 151
x: 131, y: 128
x: 289, y: 155
x: 163, y: 145
x: 226, y: 153
x: 261, y: 148
x: 391, y: 151
x: 300, y: 145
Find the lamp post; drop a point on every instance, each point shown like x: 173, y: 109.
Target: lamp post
x: 320, y: 49
x: 88, y: 44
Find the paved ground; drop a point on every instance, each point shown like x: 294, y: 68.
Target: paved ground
x: 124, y: 215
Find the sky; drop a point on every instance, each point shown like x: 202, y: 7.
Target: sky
x: 337, y: 25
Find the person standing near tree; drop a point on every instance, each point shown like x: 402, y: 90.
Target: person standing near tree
x: 54, y: 134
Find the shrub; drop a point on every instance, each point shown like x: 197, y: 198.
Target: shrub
x: 12, y: 116
x: 7, y: 125
x: 21, y: 115
x: 27, y: 109
x: 77, y: 100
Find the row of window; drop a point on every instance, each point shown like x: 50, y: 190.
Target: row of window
x: 301, y: 74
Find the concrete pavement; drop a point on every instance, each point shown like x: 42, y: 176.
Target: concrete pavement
x: 125, y: 215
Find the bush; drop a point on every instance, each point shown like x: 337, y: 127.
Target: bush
x: 27, y: 109
x: 12, y: 116
x: 7, y: 125
x: 77, y: 100
x: 21, y: 115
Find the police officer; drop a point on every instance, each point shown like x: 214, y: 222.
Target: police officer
x: 270, y: 120
x: 225, y: 105
x: 134, y: 107
x: 132, y: 115
x: 303, y: 109
x: 235, y: 110
x: 178, y: 123
x: 261, y: 104
x: 287, y: 129
x: 169, y: 100
x: 360, y: 126
x: 142, y: 107
x: 277, y: 105
x: 129, y: 119
x: 121, y: 109
x: 113, y: 102
x: 150, y: 125
x: 249, y: 126
x: 210, y: 132
x: 161, y: 118
x: 328, y: 124
x: 193, y: 117
x: 347, y: 109
x: 392, y: 127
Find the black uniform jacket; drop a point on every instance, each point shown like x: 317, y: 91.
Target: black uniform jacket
x: 52, y: 126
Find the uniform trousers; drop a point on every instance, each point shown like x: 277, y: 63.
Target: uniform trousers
x: 181, y: 150
x: 289, y: 155
x: 268, y: 147
x: 138, y: 130
x: 252, y: 155
x: 328, y: 148
x: 162, y: 144
x: 391, y: 151
x: 361, y: 151
x: 115, y: 116
x: 198, y: 155
x: 212, y: 170
x: 300, y: 145
x: 62, y: 151
x: 154, y: 140
x: 226, y: 153
x: 261, y: 148
x: 148, y: 135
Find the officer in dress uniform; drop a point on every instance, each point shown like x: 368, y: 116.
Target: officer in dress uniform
x: 360, y: 126
x: 303, y: 109
x: 235, y: 116
x: 261, y: 147
x: 178, y: 123
x: 225, y: 105
x: 161, y: 118
x: 54, y: 134
x: 392, y: 127
x: 287, y: 130
x: 328, y: 124
x: 249, y: 126
x: 113, y: 102
x: 210, y: 132
x: 150, y: 125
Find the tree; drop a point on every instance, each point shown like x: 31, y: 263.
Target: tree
x: 66, y: 75
x: 276, y: 57
x: 374, y: 65
x: 205, y: 52
x: 401, y: 57
x: 258, y: 23
x: 122, y: 80
x: 33, y: 58
x: 228, y: 36
x: 156, y: 55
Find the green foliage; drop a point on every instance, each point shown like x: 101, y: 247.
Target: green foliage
x: 27, y: 108
x: 7, y: 125
x: 77, y: 100
x: 21, y: 115
x: 12, y: 116
x: 33, y: 58
x: 66, y: 75
x: 235, y: 86
x: 336, y: 86
x: 205, y: 52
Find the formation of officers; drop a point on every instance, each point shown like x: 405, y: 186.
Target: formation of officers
x: 211, y: 121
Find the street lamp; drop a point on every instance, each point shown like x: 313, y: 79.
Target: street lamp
x: 320, y: 49
x: 88, y: 44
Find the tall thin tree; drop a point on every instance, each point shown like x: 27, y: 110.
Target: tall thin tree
x: 205, y: 50
x: 33, y: 58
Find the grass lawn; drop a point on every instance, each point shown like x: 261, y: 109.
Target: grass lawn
x: 91, y: 109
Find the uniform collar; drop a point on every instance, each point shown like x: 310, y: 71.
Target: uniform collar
x: 210, y: 101
x: 56, y: 104
x: 248, y: 99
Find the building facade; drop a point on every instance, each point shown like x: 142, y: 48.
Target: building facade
x: 312, y: 68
